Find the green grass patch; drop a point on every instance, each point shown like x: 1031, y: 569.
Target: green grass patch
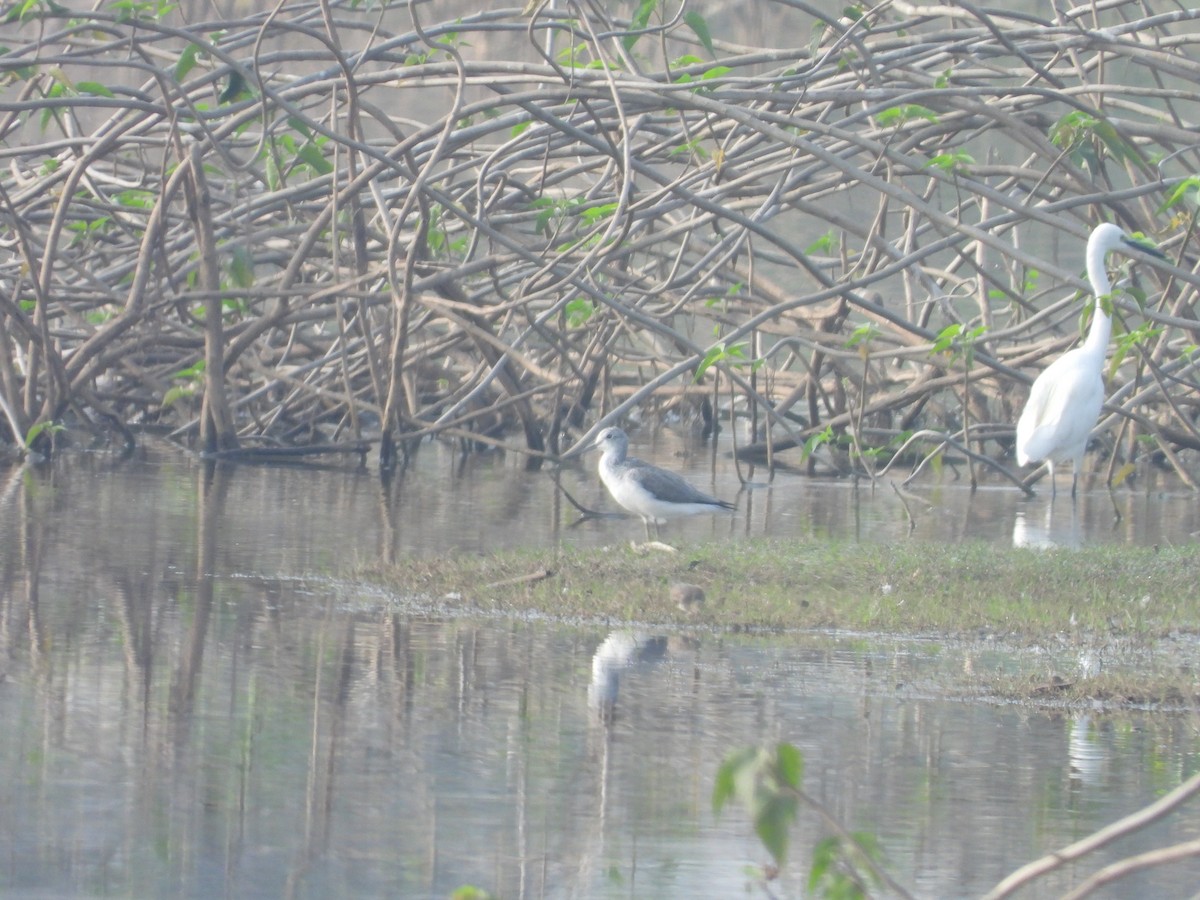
x: 963, y: 589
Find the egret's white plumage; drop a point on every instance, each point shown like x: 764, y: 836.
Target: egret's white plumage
x: 1065, y: 400
x: 654, y: 494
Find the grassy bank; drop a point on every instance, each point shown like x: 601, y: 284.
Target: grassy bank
x: 1137, y: 605
x: 959, y: 590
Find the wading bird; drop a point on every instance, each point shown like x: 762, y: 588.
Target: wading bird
x: 1065, y: 400
x: 652, y: 493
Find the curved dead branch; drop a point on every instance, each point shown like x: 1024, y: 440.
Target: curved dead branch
x: 503, y: 224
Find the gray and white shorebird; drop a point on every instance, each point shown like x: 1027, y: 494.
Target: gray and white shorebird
x: 654, y: 494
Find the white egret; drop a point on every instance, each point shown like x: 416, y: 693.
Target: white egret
x: 1065, y: 400
x: 654, y: 494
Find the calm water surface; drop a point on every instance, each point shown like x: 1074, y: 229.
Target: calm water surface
x: 193, y: 705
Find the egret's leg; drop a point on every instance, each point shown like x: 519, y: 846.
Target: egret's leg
x: 646, y: 522
x: 1053, y: 483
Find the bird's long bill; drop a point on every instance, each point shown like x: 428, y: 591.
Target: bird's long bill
x: 581, y: 449
x: 578, y: 450
x: 1144, y: 247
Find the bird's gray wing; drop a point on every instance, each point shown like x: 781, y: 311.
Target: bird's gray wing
x: 666, y: 485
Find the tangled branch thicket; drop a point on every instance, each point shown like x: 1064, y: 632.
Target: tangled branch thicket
x: 333, y: 221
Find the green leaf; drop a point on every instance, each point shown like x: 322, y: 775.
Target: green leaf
x: 900, y: 115
x: 436, y: 239
x: 193, y: 371
x: 710, y: 358
x: 1117, y: 146
x: 816, y: 440
x: 579, y: 311
x: 732, y: 353
x: 23, y: 11
x: 56, y: 90
x: 1139, y: 296
x: 470, y: 892
x: 37, y: 428
x: 187, y: 61
x: 93, y: 88
x: 24, y: 73
x: 816, y: 36
x: 692, y: 146
x: 946, y: 337
x: 241, y: 266
x: 824, y: 856
x: 236, y: 89
x: 641, y: 18
x: 1146, y: 333
x: 697, y: 23
x: 1082, y: 136
x: 274, y: 176
x: 574, y: 57
x: 772, y: 822
x: 840, y: 867
x: 542, y: 222
x: 791, y: 764
x: 129, y: 10
x: 863, y: 334
x: 1187, y: 191
x: 137, y: 198
x: 299, y: 126
x: 311, y: 155
x: 725, y: 786
x: 955, y: 161
x: 824, y: 244
x: 1072, y: 128
x: 520, y: 128
x: 176, y: 393
x: 596, y: 213
x: 1122, y: 473
x: 766, y: 783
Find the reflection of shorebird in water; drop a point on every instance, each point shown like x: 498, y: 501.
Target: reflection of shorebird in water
x: 619, y: 652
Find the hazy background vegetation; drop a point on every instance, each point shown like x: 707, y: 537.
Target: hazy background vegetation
x: 331, y: 223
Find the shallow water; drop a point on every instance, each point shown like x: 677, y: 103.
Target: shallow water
x: 193, y: 706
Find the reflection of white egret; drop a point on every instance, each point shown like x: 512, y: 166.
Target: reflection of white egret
x: 620, y: 651
x: 1066, y: 398
x: 654, y: 494
x: 1028, y: 534
x: 1087, y: 753
x: 1065, y: 532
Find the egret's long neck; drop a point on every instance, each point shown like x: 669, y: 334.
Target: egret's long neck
x: 1101, y: 330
